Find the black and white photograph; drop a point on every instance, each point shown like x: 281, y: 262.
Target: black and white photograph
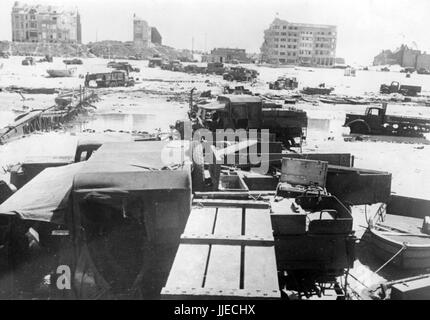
x: 223, y: 151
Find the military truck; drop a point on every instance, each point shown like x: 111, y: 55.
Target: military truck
x: 113, y: 222
x: 217, y: 68
x: 376, y: 121
x: 174, y: 65
x: 283, y: 83
x: 240, y: 74
x: 111, y: 79
x: 248, y: 112
x: 395, y: 87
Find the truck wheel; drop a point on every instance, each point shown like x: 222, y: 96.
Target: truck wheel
x: 359, y: 128
x: 198, y: 170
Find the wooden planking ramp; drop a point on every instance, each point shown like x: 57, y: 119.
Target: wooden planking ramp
x: 233, y: 249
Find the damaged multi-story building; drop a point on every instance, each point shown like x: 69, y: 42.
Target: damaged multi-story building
x: 143, y: 34
x: 299, y: 44
x: 405, y: 57
x: 45, y: 23
x: 228, y: 55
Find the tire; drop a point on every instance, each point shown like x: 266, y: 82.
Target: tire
x: 198, y: 170
x: 359, y: 128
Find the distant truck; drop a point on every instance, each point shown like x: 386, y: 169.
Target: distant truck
x: 73, y: 62
x: 110, y: 79
x: 174, y: 65
x: 155, y: 62
x: 217, y: 68
x: 240, y: 74
x: 28, y: 61
x: 376, y: 122
x: 395, y: 87
x: 283, y: 83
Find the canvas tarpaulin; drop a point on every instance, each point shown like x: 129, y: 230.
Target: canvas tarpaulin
x: 44, y: 198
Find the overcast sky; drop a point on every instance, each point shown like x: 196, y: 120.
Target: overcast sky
x: 364, y: 26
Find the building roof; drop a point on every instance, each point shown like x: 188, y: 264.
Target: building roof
x: 24, y: 8
x: 305, y: 25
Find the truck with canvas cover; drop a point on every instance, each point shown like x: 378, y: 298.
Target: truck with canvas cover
x: 114, y: 221
x: 110, y: 79
x: 247, y: 112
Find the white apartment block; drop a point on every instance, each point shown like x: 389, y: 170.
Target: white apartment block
x: 299, y: 44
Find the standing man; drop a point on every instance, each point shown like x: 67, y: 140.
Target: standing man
x: 87, y: 79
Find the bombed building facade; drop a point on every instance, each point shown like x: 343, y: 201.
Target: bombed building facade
x: 405, y: 57
x: 143, y: 34
x: 227, y: 55
x: 45, y: 23
x: 299, y: 43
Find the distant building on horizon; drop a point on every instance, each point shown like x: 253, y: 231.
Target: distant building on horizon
x: 227, y: 55
x: 45, y: 23
x: 299, y: 44
x: 143, y: 34
x: 405, y: 57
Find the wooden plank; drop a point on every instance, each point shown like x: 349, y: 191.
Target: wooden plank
x: 258, y: 223
x: 189, y: 266
x: 228, y: 221
x: 210, y: 293
x: 201, y: 220
x: 223, y: 268
x: 260, y: 269
x: 238, y: 195
x: 231, y: 203
x: 196, y: 238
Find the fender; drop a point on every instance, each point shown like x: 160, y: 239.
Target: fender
x: 358, y: 121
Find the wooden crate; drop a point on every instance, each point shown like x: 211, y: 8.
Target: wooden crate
x: 225, y: 252
x: 304, y: 172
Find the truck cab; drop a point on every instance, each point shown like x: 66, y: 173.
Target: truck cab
x: 375, y: 116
